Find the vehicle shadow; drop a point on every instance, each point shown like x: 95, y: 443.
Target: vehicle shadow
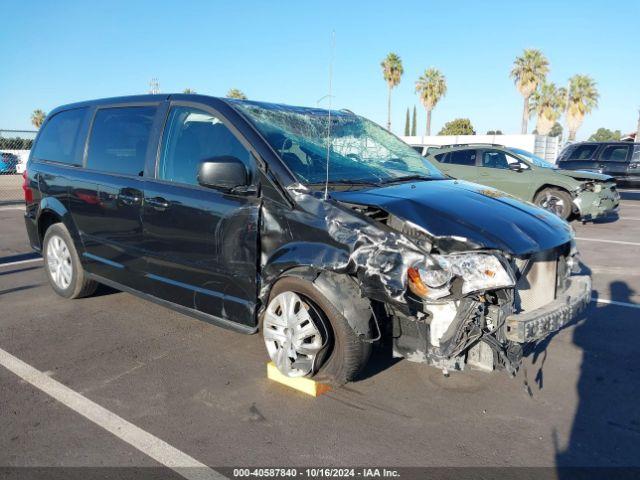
x: 606, y: 426
x: 103, y: 290
x: 381, y: 359
x: 612, y: 217
x: 538, y: 351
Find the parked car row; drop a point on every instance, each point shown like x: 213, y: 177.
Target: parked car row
x: 569, y: 194
x: 318, y: 228
x: 621, y: 160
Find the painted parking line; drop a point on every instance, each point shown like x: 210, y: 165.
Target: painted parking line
x: 614, y: 302
x: 148, y: 444
x: 2, y: 209
x: 617, y: 242
x: 629, y: 218
x: 11, y: 264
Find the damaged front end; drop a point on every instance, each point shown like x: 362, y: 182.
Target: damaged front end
x: 465, y: 302
x: 448, y: 301
x: 595, y: 199
x: 486, y: 328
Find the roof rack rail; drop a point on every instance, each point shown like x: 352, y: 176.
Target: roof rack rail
x: 471, y: 144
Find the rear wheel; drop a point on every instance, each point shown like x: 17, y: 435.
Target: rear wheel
x: 556, y: 201
x: 62, y: 264
x: 305, y: 335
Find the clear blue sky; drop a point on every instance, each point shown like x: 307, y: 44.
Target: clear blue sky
x: 56, y: 52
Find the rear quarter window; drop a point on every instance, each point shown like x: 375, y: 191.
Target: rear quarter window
x: 60, y: 139
x: 583, y: 152
x: 441, y: 157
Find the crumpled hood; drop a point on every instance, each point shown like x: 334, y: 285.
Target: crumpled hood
x: 477, y: 215
x: 585, y: 175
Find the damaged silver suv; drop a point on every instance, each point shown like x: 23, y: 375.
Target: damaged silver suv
x: 318, y: 228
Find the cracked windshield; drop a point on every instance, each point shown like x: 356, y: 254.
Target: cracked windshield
x: 360, y: 151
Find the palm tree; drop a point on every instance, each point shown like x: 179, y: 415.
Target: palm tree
x: 37, y: 118
x: 431, y: 87
x: 235, y: 93
x: 528, y: 71
x: 392, y: 72
x: 548, y: 103
x: 581, y: 99
x: 189, y: 91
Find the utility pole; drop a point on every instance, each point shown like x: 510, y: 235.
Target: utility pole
x: 154, y: 86
x: 637, y: 139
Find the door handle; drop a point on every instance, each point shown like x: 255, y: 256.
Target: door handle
x: 157, y: 203
x: 130, y: 198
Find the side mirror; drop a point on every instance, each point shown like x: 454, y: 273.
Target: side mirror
x: 516, y: 167
x: 225, y: 172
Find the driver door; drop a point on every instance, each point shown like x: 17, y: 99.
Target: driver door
x: 201, y: 243
x: 494, y: 172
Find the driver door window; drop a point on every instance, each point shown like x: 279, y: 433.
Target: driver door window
x: 501, y: 160
x: 191, y: 137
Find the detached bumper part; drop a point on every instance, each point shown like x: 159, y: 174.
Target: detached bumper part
x: 536, y: 324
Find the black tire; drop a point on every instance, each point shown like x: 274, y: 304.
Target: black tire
x: 548, y: 199
x: 347, y: 353
x: 79, y: 286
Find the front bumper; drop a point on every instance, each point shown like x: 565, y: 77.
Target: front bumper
x: 536, y: 324
x: 593, y: 205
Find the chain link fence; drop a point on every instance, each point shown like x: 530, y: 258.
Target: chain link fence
x: 14, y: 152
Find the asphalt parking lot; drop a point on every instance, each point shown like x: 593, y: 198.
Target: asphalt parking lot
x: 203, y: 390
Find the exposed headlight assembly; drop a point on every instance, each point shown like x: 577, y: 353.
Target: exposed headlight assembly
x: 478, y: 271
x: 592, y: 187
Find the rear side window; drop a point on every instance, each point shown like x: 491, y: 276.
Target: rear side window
x: 583, y: 152
x: 635, y: 156
x: 615, y: 153
x: 60, y: 139
x: 119, y: 139
x: 462, y: 157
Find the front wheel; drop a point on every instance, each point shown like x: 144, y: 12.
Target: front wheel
x: 556, y: 201
x: 62, y: 264
x: 306, y: 336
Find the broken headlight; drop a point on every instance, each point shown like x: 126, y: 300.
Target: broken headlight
x: 478, y: 271
x: 592, y: 187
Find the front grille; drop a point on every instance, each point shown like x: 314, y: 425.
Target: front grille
x: 537, y: 280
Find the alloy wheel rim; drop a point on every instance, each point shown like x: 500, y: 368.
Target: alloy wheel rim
x: 291, y: 334
x: 553, y: 204
x: 59, y: 262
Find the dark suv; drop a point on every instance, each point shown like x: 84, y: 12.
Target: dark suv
x: 319, y: 228
x: 618, y: 159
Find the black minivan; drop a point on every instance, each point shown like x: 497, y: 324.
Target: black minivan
x: 318, y: 228
x: 621, y: 160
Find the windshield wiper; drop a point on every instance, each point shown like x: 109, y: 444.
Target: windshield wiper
x: 348, y: 181
x: 407, y: 178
